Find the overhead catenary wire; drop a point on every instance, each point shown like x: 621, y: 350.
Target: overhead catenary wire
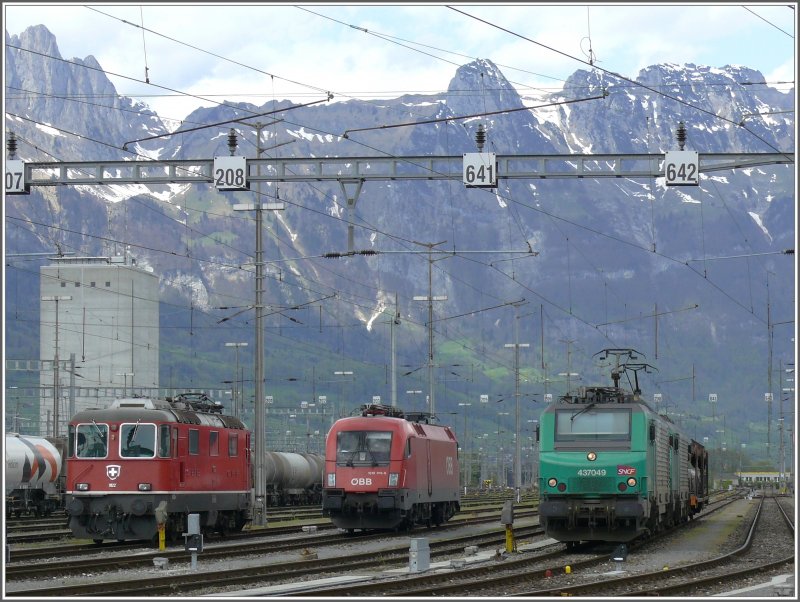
x: 589, y: 229
x: 144, y: 48
x: 346, y: 133
x: 310, y: 87
x: 622, y: 77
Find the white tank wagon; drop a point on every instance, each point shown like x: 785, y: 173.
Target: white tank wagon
x: 34, y: 475
x: 293, y: 478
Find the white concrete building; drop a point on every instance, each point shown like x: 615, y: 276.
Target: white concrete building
x: 103, y: 314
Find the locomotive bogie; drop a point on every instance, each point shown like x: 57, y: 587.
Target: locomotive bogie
x: 136, y: 517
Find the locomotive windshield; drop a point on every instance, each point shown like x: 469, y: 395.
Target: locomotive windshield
x: 593, y: 424
x: 363, y: 448
x: 92, y: 440
x: 137, y: 440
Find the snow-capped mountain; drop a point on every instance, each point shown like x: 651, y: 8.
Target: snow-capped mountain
x: 608, y: 253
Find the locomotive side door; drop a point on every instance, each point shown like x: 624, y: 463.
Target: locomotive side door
x: 181, y: 448
x: 428, y: 466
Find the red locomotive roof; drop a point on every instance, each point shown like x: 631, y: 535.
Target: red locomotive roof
x: 398, y: 425
x: 155, y: 410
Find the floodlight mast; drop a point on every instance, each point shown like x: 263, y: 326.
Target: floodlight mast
x: 259, y: 484
x: 430, y: 299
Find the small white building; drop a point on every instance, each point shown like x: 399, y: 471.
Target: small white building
x: 765, y: 479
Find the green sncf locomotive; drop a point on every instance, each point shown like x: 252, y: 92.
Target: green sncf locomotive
x: 612, y: 468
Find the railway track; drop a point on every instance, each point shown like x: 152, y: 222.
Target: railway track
x: 495, y: 579
x: 289, y: 571
x: 145, y: 559
x: 279, y: 517
x: 693, y: 578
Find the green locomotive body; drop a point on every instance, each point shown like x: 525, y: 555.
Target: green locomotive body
x: 613, y: 469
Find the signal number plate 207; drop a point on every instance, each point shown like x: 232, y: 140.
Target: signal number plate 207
x: 591, y: 472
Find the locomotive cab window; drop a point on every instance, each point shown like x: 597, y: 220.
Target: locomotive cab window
x: 363, y: 448
x: 137, y: 440
x: 213, y: 443
x: 233, y: 445
x: 92, y: 440
x: 71, y: 441
x: 593, y: 424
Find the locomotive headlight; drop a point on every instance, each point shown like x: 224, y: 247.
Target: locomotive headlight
x: 591, y: 456
x: 82, y: 486
x: 331, y: 479
x: 552, y: 482
x: 145, y: 487
x: 631, y: 482
x: 394, y: 478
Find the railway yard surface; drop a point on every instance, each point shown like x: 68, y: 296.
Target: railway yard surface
x: 538, y: 567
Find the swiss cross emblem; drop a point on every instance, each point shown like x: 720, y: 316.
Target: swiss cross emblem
x: 112, y: 471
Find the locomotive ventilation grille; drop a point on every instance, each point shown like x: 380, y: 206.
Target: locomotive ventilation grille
x: 589, y: 484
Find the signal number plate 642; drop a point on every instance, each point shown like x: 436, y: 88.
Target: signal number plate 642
x: 591, y: 472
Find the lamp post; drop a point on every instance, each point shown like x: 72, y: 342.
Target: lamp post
x: 237, y: 393
x: 259, y: 489
x: 416, y: 392
x: 341, y: 394
x: 467, y: 467
x: 125, y: 376
x: 568, y: 375
x: 501, y: 467
x: 782, y: 422
x: 569, y: 371
x: 517, y: 450
x: 56, y: 383
x: 741, y: 453
x: 430, y: 298
x: 534, y: 463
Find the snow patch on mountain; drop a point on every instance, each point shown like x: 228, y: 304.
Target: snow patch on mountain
x: 757, y: 219
x: 47, y: 129
x: 115, y: 193
x: 302, y: 134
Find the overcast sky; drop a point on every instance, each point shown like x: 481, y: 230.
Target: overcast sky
x: 298, y: 52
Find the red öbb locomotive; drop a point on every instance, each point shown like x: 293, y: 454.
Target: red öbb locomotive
x: 141, y: 462
x: 390, y: 470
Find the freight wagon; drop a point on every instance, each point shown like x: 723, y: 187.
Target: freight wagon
x: 34, y: 475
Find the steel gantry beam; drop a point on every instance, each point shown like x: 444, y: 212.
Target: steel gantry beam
x: 360, y: 169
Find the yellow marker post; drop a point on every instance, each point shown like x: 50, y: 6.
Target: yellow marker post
x: 507, y: 518
x: 511, y: 544
x: 161, y: 537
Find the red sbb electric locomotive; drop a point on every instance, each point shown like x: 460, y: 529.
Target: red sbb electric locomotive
x: 390, y: 470
x: 143, y: 462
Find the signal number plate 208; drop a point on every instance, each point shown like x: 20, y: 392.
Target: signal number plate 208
x: 591, y: 472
